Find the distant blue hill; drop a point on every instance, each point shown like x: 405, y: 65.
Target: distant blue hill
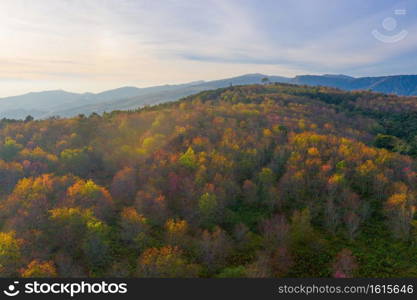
x: 66, y: 104
x: 404, y: 85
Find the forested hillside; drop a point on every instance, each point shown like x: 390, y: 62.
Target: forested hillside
x: 249, y: 181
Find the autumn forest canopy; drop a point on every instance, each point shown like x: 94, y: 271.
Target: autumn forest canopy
x: 272, y: 180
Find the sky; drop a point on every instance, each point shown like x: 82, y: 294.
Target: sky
x: 96, y: 45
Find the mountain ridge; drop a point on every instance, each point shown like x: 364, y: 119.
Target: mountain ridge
x: 62, y: 103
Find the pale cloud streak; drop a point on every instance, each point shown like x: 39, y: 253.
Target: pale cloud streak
x: 96, y: 45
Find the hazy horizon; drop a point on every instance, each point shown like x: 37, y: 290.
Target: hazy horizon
x: 180, y: 83
x: 94, y: 46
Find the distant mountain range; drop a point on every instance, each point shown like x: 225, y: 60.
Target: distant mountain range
x: 66, y: 104
x: 404, y: 85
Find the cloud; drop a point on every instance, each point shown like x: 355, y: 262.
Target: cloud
x: 95, y: 45
x: 345, y: 46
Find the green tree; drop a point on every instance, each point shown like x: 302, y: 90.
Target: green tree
x: 96, y: 246
x: 208, y: 208
x: 76, y: 161
x: 189, y: 159
x: 10, y: 149
x: 265, y: 80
